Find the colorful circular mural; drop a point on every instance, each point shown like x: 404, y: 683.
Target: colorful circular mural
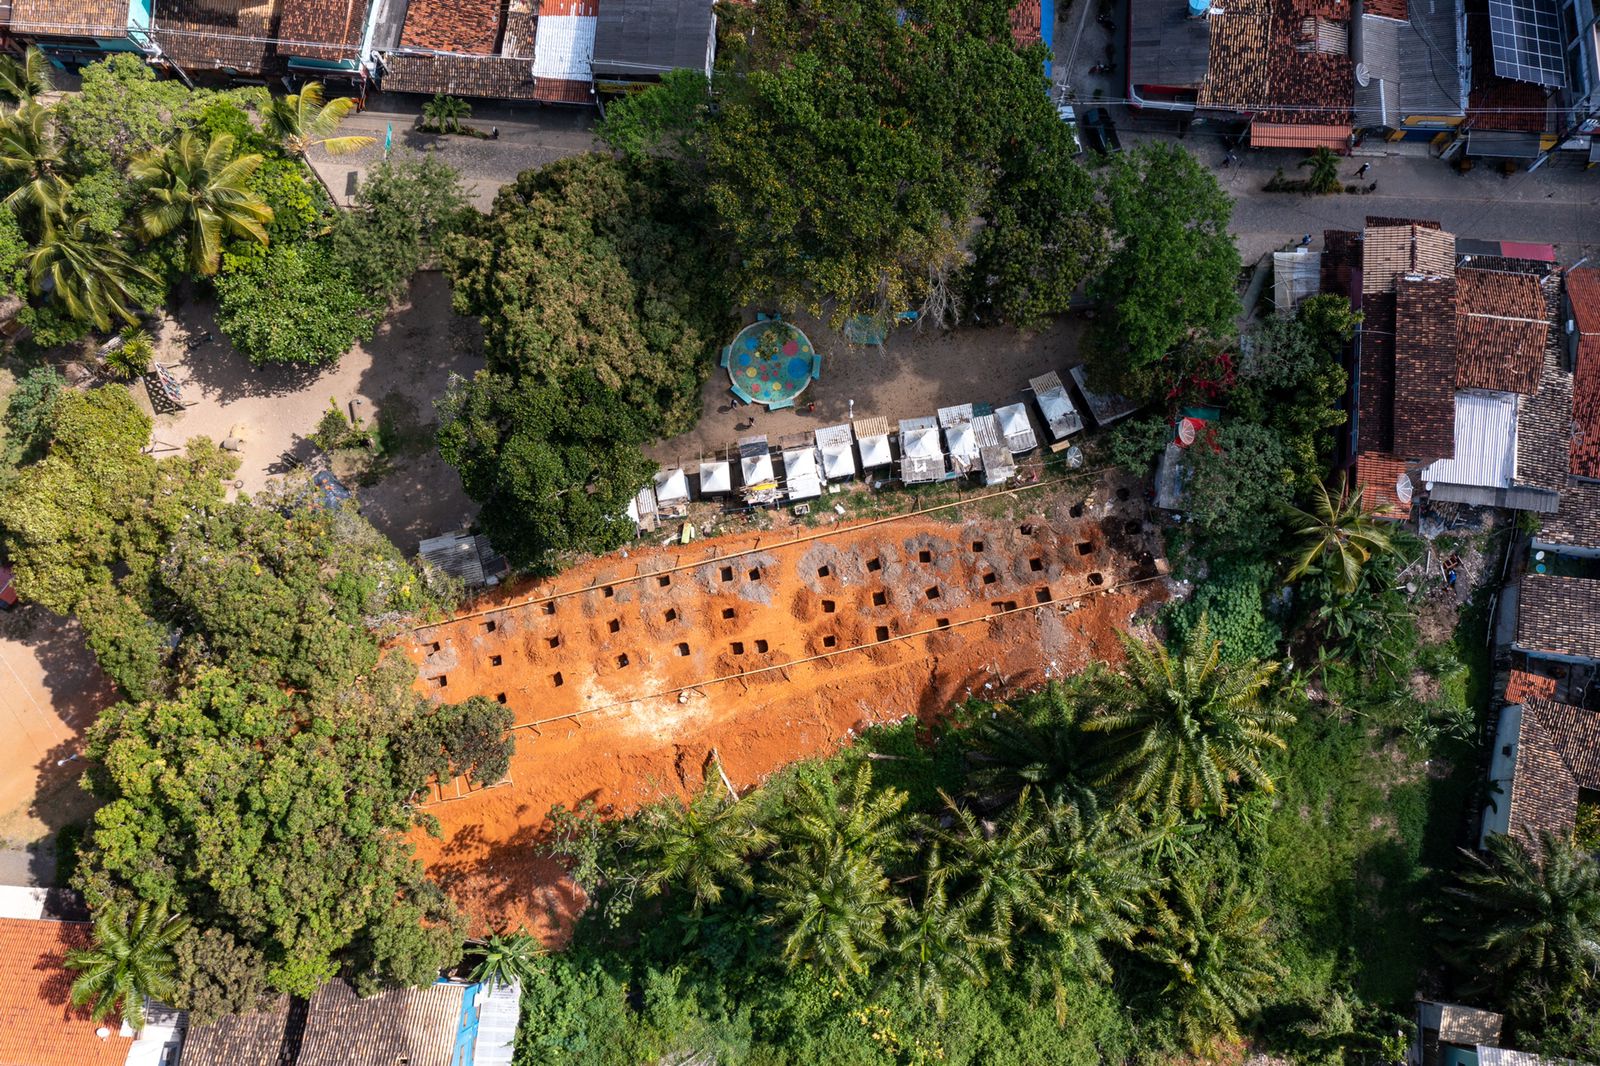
x: 771, y: 362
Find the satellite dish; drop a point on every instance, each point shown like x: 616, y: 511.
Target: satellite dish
x: 1186, y: 432
x: 1403, y: 489
x: 103, y: 1033
x: 1363, y: 76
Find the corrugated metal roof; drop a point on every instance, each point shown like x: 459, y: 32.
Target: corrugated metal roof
x: 498, y: 1013
x: 1499, y: 1056
x: 801, y: 479
x: 1295, y: 275
x: 1104, y: 406
x: 1486, y: 442
x: 715, y: 477
x: 1017, y: 428
x: 1056, y: 406
x: 1377, y: 97
x: 1433, y: 62
x: 644, y: 38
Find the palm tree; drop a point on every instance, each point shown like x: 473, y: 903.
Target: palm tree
x: 131, y: 960
x: 507, y: 959
x: 23, y: 82
x: 820, y: 822
x: 1212, y: 942
x: 30, y: 158
x: 87, y: 274
x: 937, y: 943
x: 444, y: 113
x: 302, y: 121
x: 702, y: 846
x: 200, y: 186
x: 1336, y: 538
x: 1525, y: 921
x: 1324, y: 170
x: 1037, y: 742
x: 1008, y: 867
x: 1186, y: 730
x: 833, y: 909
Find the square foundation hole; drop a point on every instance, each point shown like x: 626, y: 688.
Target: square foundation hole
x: 664, y: 580
x: 499, y: 697
x: 1036, y: 565
x: 615, y: 625
x: 553, y: 642
x: 557, y: 680
x: 990, y: 577
x: 443, y: 681
x: 881, y: 633
x: 1097, y: 578
x: 828, y: 607
x: 670, y: 614
x: 1042, y: 595
x: 727, y: 573
x: 490, y: 627
x: 879, y: 599
x: 977, y: 545
x: 1085, y: 548
x: 924, y: 556
x: 755, y: 574
x: 737, y: 647
x: 1076, y: 511
x: 942, y: 623
x: 548, y: 608
x: 436, y: 645
x: 761, y: 647
x: 830, y: 641
x: 874, y: 565
x: 681, y: 648
x: 729, y: 612
x: 622, y: 660
x: 932, y: 593
x: 495, y: 660
x: 823, y: 571
x: 608, y: 592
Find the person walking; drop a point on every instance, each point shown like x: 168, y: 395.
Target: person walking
x: 1362, y: 172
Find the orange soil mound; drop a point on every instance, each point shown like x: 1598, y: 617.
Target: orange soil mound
x: 770, y: 648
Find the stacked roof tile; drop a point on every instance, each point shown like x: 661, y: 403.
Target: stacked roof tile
x: 1392, y: 248
x: 1425, y: 367
x: 466, y: 27
x: 1375, y: 432
x: 1389, y: 9
x: 1501, y: 327
x: 1522, y: 686
x: 1558, y: 753
x: 231, y: 35
x: 88, y: 18
x: 1288, y: 59
x: 38, y: 1025
x: 416, y: 1026
x: 1576, y: 524
x: 1380, y: 477
x: 1583, y: 292
x: 322, y: 29
x: 1556, y: 616
x: 265, y: 1038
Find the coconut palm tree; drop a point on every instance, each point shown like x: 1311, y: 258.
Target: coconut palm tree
x: 937, y: 943
x: 444, y: 113
x: 1524, y: 922
x: 199, y: 186
x: 1184, y: 731
x: 1007, y: 865
x: 1037, y: 742
x: 23, y: 82
x: 701, y: 847
x: 131, y: 960
x: 506, y: 959
x: 1212, y: 943
x: 1324, y: 170
x: 832, y: 909
x: 30, y: 160
x: 821, y: 821
x: 304, y: 120
x: 1336, y: 537
x: 87, y: 274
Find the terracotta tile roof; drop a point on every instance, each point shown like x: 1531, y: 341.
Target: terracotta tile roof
x: 1237, y: 69
x: 1523, y: 686
x: 1379, y: 477
x: 1583, y: 293
x: 1266, y: 55
x: 1375, y: 429
x: 1501, y: 326
x: 1544, y: 421
x: 217, y: 34
x: 309, y: 25
x: 470, y: 27
x: 1027, y: 21
x: 562, y: 91
x: 37, y: 1025
x: 1576, y: 523
x: 1556, y: 616
x: 69, y: 18
x: 1299, y: 135
x: 1341, y: 259
x: 267, y: 1038
x: 1425, y: 368
x: 495, y: 77
x: 415, y: 1025
x: 1379, y: 221
x: 1558, y: 753
x: 1389, y: 9
x: 1388, y: 252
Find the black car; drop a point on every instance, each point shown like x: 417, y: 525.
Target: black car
x: 1098, y: 133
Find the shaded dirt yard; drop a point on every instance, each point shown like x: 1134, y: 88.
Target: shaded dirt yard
x: 624, y: 673
x: 394, y: 378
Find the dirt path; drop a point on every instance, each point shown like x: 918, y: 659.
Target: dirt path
x: 770, y: 647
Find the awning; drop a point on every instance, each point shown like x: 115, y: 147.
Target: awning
x: 1298, y: 135
x: 1543, y: 253
x: 1503, y: 144
x: 715, y: 477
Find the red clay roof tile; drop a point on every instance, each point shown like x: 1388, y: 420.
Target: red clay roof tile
x: 38, y: 1027
x: 1425, y: 368
x: 467, y: 26
x: 1501, y: 326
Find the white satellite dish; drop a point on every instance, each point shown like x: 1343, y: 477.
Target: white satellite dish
x: 1363, y: 76
x: 1185, y: 432
x: 1402, y: 488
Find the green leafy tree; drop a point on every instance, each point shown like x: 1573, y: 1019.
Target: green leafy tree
x: 663, y: 119
x: 1523, y: 922
x: 121, y: 111
x: 1236, y: 477
x: 1324, y: 171
x: 700, y: 847
x: 32, y: 164
x: 506, y: 959
x: 294, y: 307
x: 217, y: 975
x: 937, y: 943
x: 454, y: 739
x: 89, y: 277
x: 1336, y: 536
x: 1173, y: 267
x: 131, y: 959
x: 404, y: 211
x: 852, y: 148
x: 22, y: 82
x: 1230, y: 601
x: 1291, y: 379
x: 301, y: 121
x: 1188, y: 731
x: 30, y: 414
x: 202, y: 188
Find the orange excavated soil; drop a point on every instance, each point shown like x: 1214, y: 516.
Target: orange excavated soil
x: 660, y: 657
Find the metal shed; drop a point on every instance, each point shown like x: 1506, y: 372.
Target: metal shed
x: 921, y: 458
x: 1017, y: 428
x: 1106, y: 407
x: 672, y: 487
x: 838, y: 457
x: 872, y: 439
x: 1056, y: 406
x: 802, y: 479
x: 716, y: 478
x: 959, y: 437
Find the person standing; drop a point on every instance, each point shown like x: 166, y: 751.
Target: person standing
x: 1361, y: 173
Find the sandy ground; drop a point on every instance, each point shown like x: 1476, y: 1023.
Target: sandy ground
x: 916, y: 373
x: 53, y: 690
x: 398, y: 374
x: 624, y: 673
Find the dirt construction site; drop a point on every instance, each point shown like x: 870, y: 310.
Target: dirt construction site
x: 625, y: 673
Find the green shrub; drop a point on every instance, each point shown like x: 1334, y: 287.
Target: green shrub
x: 292, y: 307
x: 1232, y: 599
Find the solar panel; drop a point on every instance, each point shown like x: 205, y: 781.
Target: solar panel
x: 1526, y: 35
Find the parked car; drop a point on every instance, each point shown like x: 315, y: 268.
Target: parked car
x: 1070, y: 117
x: 1099, y: 133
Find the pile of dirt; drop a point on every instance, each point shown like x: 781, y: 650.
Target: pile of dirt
x: 625, y: 673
